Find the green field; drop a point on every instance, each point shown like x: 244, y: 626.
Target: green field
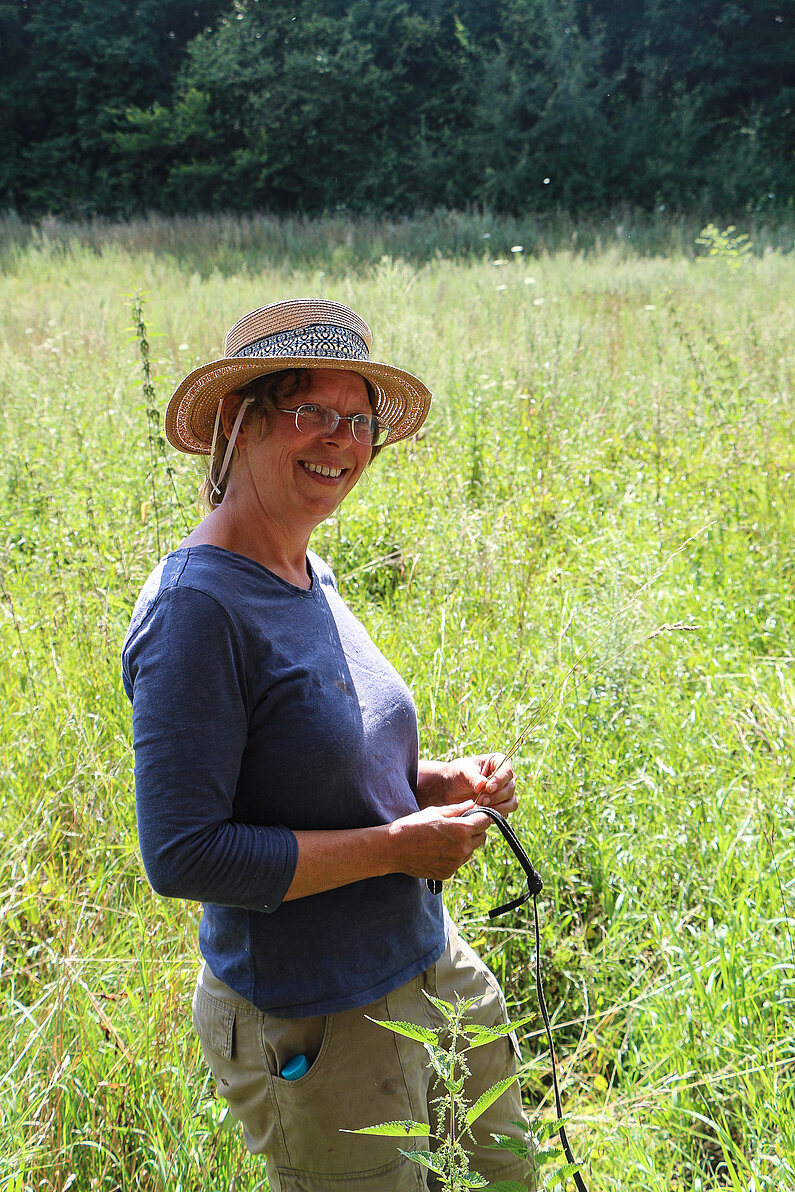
x: 593, y: 538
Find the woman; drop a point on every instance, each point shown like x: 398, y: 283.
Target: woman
x: 277, y: 771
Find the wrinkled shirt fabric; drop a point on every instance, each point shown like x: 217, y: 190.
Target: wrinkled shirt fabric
x: 259, y: 710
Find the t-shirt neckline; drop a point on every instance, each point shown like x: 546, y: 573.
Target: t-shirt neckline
x: 259, y: 567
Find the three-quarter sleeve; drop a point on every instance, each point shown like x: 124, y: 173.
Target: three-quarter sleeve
x: 184, y: 669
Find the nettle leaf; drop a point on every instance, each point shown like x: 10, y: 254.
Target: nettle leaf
x: 405, y: 1129
x: 525, y: 1149
x: 441, y: 1063
x: 444, y: 1008
x: 424, y: 1158
x: 562, y: 1174
x: 548, y: 1156
x: 473, y: 1180
x: 488, y: 1098
x: 481, y: 1035
x: 422, y: 1034
x: 545, y: 1130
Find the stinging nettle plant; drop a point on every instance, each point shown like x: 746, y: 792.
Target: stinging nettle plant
x: 158, y: 455
x: 449, y: 1159
x: 152, y: 415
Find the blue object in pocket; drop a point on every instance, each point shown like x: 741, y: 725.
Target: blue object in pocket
x: 295, y: 1068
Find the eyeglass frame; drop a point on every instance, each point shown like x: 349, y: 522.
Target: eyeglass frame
x: 333, y: 418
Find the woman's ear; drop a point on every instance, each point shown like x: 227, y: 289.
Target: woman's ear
x: 229, y: 409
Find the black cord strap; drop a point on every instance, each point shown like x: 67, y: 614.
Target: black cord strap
x: 578, y: 1180
x: 535, y: 885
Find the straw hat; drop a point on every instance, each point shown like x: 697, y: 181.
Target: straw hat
x: 299, y: 333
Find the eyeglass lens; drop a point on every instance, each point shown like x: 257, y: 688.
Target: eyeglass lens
x: 310, y: 419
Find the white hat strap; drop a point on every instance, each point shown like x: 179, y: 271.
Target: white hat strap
x: 215, y: 484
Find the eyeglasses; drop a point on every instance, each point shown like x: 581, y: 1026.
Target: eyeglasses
x: 311, y: 419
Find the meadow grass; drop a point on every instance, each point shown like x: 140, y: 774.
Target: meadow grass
x: 603, y: 420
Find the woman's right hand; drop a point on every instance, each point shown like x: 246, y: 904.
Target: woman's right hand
x: 437, y: 841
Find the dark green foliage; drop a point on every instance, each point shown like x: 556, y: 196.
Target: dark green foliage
x: 394, y: 105
x: 70, y: 69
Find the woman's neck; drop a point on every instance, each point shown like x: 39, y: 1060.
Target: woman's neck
x: 284, y: 556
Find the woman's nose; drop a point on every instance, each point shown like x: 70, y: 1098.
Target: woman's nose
x: 341, y: 435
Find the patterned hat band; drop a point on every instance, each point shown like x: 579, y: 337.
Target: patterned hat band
x: 318, y: 339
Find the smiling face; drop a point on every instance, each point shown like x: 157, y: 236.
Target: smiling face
x: 292, y: 479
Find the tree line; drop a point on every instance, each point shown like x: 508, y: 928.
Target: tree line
x: 113, y: 107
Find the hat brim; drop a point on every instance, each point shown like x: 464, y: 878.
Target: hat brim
x: 402, y: 400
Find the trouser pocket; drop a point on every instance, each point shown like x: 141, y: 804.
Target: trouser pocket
x: 362, y: 1074
x: 230, y: 1039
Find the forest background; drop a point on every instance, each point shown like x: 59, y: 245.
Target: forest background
x: 393, y: 105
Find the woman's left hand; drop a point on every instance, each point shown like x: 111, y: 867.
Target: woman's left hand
x: 486, y: 777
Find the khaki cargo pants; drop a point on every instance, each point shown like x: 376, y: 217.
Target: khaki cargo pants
x: 361, y: 1074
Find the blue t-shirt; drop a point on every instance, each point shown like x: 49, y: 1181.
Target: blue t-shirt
x: 260, y: 709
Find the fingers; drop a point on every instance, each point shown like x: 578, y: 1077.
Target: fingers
x: 497, y: 768
x: 476, y: 825
x: 487, y: 778
x: 455, y: 810
x: 436, y: 842
x: 499, y: 783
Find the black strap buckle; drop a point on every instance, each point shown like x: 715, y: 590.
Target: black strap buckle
x: 534, y: 882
